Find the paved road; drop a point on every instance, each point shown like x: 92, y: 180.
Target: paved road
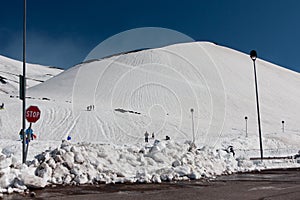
x: 267, y: 185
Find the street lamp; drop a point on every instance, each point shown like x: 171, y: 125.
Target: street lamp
x: 192, y: 111
x: 253, y: 56
x: 246, y: 118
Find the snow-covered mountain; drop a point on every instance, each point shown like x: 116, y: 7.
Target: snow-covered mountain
x: 11, y: 69
x: 154, y: 90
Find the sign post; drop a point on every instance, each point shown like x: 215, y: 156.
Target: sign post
x: 23, y: 80
x: 33, y: 114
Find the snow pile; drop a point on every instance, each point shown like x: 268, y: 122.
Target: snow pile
x: 104, y: 163
x: 16, y: 177
x: 74, y: 164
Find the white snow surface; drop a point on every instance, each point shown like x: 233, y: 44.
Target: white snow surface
x: 11, y: 69
x: 151, y: 90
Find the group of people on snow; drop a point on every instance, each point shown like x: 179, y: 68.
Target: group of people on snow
x: 152, y: 136
x: 29, y: 135
x: 147, y: 136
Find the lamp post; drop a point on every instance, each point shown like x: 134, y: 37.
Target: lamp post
x: 192, y: 111
x: 253, y: 56
x: 246, y: 118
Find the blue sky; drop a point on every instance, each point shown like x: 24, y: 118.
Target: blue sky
x: 62, y: 33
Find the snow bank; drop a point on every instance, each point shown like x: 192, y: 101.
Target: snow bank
x: 87, y: 163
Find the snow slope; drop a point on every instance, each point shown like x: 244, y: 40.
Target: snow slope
x: 11, y: 69
x: 154, y: 90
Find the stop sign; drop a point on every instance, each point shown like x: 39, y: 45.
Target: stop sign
x: 33, y: 114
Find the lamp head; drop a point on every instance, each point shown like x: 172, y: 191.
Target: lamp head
x: 253, y: 55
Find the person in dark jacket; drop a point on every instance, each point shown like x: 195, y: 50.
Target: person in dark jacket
x: 146, y: 137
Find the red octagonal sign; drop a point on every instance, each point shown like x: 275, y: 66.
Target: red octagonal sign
x: 33, y: 114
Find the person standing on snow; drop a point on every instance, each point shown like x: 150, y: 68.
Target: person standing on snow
x: 29, y: 133
x: 21, y: 134
x: 146, y: 137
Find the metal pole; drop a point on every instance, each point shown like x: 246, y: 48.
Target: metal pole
x: 246, y: 118
x: 192, y: 111
x: 258, y: 113
x: 24, y: 84
x: 28, y: 139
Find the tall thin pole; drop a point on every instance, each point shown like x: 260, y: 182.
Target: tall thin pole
x: 258, y: 113
x: 192, y: 111
x: 246, y: 118
x: 24, y: 83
